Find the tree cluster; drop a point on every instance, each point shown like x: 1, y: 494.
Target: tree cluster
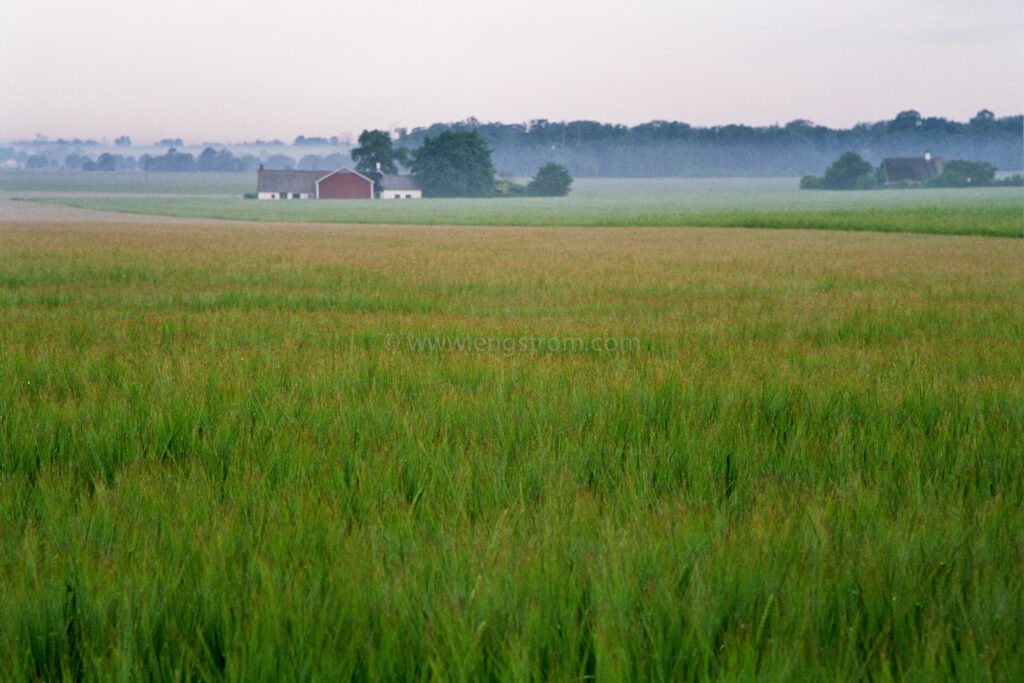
x: 851, y: 172
x: 209, y: 160
x: 37, y: 162
x: 315, y: 162
x: 848, y: 172
x: 223, y: 161
x: 454, y: 164
x: 108, y: 162
x: 303, y: 140
x: 552, y: 180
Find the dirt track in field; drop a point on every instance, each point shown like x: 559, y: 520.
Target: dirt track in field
x: 23, y: 211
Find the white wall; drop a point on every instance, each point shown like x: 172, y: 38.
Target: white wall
x: 275, y: 195
x: 401, y: 194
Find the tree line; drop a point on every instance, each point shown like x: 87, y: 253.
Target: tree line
x: 209, y: 159
x: 851, y: 172
x: 673, y: 148
x: 652, y: 149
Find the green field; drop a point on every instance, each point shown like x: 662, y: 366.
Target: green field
x: 127, y: 182
x: 224, y: 453
x: 661, y: 202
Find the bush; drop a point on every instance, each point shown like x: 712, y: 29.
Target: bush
x: 506, y: 187
x: 552, y: 180
x: 810, y: 182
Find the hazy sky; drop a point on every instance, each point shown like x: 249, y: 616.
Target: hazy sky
x: 233, y: 70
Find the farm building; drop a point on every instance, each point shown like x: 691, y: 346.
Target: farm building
x: 912, y: 168
x: 341, y: 183
x: 399, y: 187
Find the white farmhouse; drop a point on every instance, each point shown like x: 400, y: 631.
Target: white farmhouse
x: 399, y: 187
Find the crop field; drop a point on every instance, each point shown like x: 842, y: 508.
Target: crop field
x: 126, y: 183
x: 659, y: 202
x: 261, y: 451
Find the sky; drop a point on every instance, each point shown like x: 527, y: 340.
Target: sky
x: 230, y: 71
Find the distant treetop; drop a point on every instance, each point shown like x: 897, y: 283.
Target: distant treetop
x: 377, y: 152
x: 302, y: 140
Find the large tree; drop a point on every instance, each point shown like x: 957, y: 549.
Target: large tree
x: 454, y: 164
x: 374, y: 148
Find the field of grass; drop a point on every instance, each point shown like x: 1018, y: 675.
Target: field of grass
x: 127, y: 182
x: 223, y: 456
x: 664, y: 202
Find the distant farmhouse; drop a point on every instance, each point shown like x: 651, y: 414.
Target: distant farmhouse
x: 398, y: 187
x: 912, y: 168
x: 341, y: 183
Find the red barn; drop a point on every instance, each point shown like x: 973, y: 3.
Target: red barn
x: 342, y: 183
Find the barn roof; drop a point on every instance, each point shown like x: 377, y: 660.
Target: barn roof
x: 343, y: 169
x: 399, y: 182
x: 911, y: 168
x: 288, y: 181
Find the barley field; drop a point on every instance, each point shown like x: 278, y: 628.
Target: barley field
x: 227, y: 453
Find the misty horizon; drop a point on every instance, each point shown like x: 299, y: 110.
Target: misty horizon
x: 349, y: 138
x: 241, y: 71
x: 586, y: 148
